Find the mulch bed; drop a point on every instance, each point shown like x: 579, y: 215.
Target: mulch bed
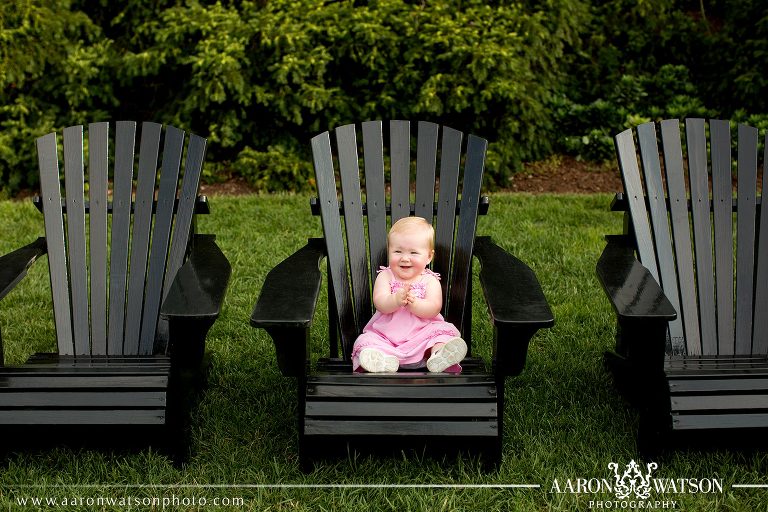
x: 561, y: 175
x: 565, y: 175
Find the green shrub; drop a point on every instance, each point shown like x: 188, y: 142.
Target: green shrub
x: 259, y: 78
x: 52, y: 62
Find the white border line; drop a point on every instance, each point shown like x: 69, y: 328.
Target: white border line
x: 750, y: 486
x: 283, y: 486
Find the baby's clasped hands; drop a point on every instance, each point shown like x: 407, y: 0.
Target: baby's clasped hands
x: 404, y: 295
x: 411, y: 295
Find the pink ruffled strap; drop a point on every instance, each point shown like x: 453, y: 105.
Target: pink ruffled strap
x: 430, y: 273
x: 382, y: 269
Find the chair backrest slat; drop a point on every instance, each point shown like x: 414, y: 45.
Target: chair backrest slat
x: 50, y: 189
x: 158, y: 256
x: 149, y: 150
x: 185, y: 208
x: 630, y: 175
x: 74, y: 182
x: 649, y: 156
x: 426, y: 162
x: 681, y: 232
x: 465, y: 235
x: 182, y: 231
x: 98, y: 174
x: 450, y: 160
x: 125, y: 137
x: 373, y: 157
x: 400, y: 167
x: 346, y: 145
x: 745, y: 232
x: 760, y: 326
x: 334, y: 241
x: 722, y: 221
x: 702, y: 231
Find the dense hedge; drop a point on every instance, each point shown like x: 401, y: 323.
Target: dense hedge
x: 649, y: 60
x: 259, y: 78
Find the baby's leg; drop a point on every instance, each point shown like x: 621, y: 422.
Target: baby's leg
x: 367, y: 354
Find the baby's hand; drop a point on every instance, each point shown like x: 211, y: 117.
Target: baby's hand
x: 411, y: 296
x: 401, y: 295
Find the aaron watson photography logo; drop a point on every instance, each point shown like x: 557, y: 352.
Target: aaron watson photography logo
x: 634, y: 486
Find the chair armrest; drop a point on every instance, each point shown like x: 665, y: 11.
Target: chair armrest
x: 516, y: 304
x: 632, y: 290
x: 291, y: 289
x: 198, y: 289
x: 510, y: 287
x: 14, y: 265
x: 286, y: 305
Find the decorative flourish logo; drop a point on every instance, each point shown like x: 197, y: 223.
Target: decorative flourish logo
x: 633, y: 486
x: 633, y: 481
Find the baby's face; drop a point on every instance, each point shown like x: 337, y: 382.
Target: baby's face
x: 409, y: 255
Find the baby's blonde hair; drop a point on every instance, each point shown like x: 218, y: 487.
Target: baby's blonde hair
x: 414, y: 224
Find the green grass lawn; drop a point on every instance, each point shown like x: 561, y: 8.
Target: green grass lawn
x: 563, y: 419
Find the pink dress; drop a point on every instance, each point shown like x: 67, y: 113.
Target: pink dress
x: 403, y: 334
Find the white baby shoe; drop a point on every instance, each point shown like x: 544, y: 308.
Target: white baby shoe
x: 450, y: 354
x: 376, y: 361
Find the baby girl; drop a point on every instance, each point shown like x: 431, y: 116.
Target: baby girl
x: 407, y: 330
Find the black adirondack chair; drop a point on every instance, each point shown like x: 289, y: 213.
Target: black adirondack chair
x: 692, y: 339
x: 132, y: 300
x: 337, y: 406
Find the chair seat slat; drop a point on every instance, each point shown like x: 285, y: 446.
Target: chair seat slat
x: 83, y: 417
x: 459, y: 391
x: 401, y: 428
x: 395, y: 409
x: 86, y: 400
x: 722, y: 403
x: 719, y: 421
x: 23, y: 381
x: 721, y: 386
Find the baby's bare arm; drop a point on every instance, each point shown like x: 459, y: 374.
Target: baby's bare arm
x: 431, y: 304
x: 385, y: 301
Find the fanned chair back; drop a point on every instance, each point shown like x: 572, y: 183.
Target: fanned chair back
x: 688, y: 243
x: 440, y: 198
x: 108, y: 281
